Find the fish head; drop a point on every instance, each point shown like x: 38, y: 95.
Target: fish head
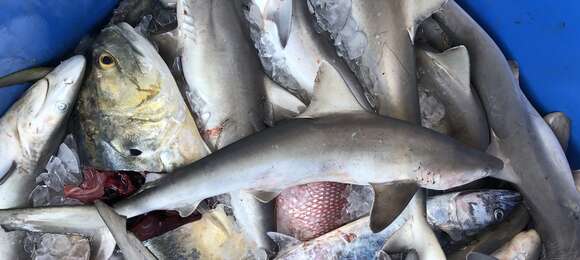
x: 46, y: 105
x: 123, y: 70
x: 477, y: 210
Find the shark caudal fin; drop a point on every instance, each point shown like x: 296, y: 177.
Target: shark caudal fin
x: 416, y: 11
x: 390, y: 200
x: 331, y: 94
x: 130, y: 245
x: 560, y: 125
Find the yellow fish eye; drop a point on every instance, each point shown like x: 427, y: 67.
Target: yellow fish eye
x: 107, y: 61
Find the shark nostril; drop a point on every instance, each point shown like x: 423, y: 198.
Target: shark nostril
x: 135, y: 152
x: 498, y: 214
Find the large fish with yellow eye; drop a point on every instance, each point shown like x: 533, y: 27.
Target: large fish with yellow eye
x: 131, y: 115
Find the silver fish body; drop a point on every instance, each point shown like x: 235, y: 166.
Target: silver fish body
x: 376, y: 40
x: 466, y: 213
x: 522, y: 138
x: 29, y: 133
x: 226, y: 86
x: 131, y: 115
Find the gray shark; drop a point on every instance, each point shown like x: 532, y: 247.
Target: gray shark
x: 30, y: 132
x: 349, y: 146
x: 535, y: 162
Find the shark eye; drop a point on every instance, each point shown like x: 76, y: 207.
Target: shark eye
x: 107, y: 61
x: 498, y: 214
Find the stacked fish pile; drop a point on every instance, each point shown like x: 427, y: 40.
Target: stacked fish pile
x: 286, y: 129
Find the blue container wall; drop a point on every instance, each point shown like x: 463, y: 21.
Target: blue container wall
x: 544, y: 38
x: 34, y: 32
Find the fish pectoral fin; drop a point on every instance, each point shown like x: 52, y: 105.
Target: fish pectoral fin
x: 283, y: 241
x: 416, y: 11
x: 102, y: 244
x: 117, y: 225
x: 331, y: 94
x: 23, y: 76
x: 560, y: 125
x: 265, y: 196
x: 390, y: 200
x: 280, y: 12
x: 479, y: 256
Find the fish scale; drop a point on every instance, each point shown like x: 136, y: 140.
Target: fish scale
x: 310, y: 210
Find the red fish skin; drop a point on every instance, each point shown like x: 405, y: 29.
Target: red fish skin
x: 311, y: 210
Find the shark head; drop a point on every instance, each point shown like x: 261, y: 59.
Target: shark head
x: 46, y: 105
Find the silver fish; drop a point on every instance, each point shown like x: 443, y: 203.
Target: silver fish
x: 536, y: 162
x: 316, y: 143
x: 131, y: 115
x: 294, y: 65
x: 492, y: 239
x: 225, y: 90
x: 29, y: 133
x: 524, y: 246
x: 445, y: 76
x: 376, y: 40
x: 466, y: 213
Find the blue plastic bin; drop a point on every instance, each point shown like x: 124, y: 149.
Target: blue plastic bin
x: 543, y: 37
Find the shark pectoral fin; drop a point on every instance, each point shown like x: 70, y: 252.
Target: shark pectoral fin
x: 331, y: 94
x: 455, y: 62
x: 102, y: 244
x: 131, y: 247
x: 284, y: 242
x: 7, y: 166
x: 479, y: 256
x: 416, y: 11
x: 560, y: 125
x: 280, y: 12
x: 264, y: 196
x: 390, y: 200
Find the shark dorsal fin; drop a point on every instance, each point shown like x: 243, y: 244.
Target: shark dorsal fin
x: 455, y: 62
x: 417, y: 11
x: 331, y: 94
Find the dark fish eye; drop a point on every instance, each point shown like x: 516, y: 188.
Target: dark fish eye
x: 498, y: 214
x: 135, y: 152
x: 107, y: 60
